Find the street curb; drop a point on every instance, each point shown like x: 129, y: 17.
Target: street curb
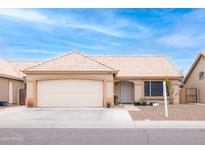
x: 170, y: 124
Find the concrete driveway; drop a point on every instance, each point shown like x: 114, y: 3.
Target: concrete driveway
x: 22, y: 117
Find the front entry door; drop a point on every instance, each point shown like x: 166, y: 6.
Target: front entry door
x: 126, y: 92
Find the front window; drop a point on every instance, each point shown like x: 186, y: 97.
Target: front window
x: 153, y: 88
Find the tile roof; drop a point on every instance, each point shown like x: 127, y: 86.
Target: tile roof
x: 193, y: 65
x: 70, y: 62
x: 140, y: 66
x: 6, y: 70
x: 19, y: 66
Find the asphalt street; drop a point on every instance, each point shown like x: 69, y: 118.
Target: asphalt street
x: 68, y: 136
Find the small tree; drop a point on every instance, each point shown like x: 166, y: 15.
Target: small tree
x: 170, y: 91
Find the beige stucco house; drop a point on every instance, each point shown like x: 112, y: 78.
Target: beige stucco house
x: 195, y: 77
x: 75, y: 79
x: 10, y: 83
x: 12, y: 80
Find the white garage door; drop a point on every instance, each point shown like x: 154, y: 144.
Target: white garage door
x: 73, y: 93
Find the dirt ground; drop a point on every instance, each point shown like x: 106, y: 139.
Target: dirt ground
x: 176, y: 112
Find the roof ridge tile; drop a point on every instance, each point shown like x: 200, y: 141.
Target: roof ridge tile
x: 97, y: 65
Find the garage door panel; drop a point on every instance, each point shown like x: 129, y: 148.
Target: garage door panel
x: 70, y: 93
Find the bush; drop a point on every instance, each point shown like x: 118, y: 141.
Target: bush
x: 143, y: 100
x: 136, y: 103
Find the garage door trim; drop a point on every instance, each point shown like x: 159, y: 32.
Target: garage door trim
x: 71, y: 78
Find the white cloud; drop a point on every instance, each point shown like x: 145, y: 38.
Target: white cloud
x: 97, y: 28
x: 182, y: 40
x: 177, y: 40
x: 116, y: 27
x: 139, y: 31
x: 187, y: 30
x: 35, y: 51
x: 25, y: 14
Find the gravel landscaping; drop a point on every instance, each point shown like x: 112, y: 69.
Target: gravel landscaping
x: 176, y: 112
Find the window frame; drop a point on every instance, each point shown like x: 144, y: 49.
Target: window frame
x: 201, y: 75
x: 150, y: 87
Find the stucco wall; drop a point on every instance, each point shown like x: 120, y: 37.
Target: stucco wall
x: 29, y: 91
x: 31, y: 77
x: 4, y: 89
x: 117, y: 91
x: 194, y: 82
x: 106, y: 78
x: 175, y: 86
x: 17, y: 85
x: 138, y: 87
x: 109, y: 87
x: 139, y: 91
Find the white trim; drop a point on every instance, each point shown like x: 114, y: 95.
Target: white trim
x: 10, y: 92
x: 165, y: 98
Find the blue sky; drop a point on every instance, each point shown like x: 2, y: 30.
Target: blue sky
x: 39, y: 34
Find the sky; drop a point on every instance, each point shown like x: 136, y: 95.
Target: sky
x: 40, y: 34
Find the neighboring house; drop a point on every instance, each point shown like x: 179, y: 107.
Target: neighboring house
x: 75, y: 79
x: 195, y: 78
x: 12, y: 80
x: 19, y: 66
x: 10, y: 83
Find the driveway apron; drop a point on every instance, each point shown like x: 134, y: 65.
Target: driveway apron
x: 22, y: 117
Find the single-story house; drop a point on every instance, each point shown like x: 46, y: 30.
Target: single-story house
x: 10, y: 83
x: 195, y: 78
x: 12, y: 80
x: 75, y: 79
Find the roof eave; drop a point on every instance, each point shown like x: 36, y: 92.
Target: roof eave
x: 149, y: 77
x: 11, y: 77
x: 193, y: 66
x: 67, y: 71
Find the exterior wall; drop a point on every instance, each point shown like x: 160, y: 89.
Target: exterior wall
x: 194, y: 82
x: 4, y: 89
x: 108, y: 83
x: 139, y: 90
x: 107, y: 80
x: 17, y: 85
x: 109, y: 88
x: 117, y: 91
x: 175, y: 86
